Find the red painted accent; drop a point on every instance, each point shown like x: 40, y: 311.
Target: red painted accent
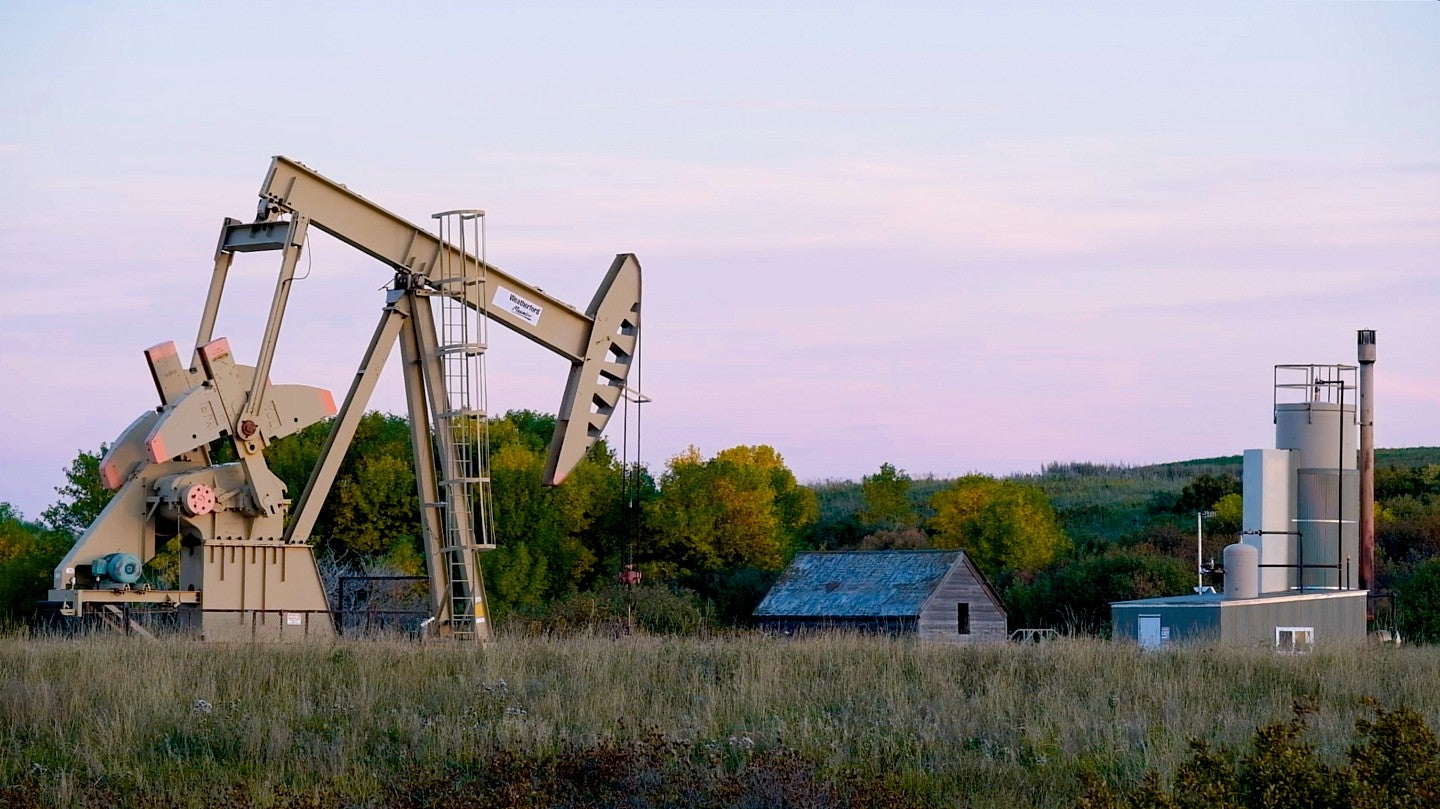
x: 329, y: 399
x: 157, y: 450
x: 199, y: 499
x: 109, y: 475
x: 161, y: 350
x: 215, y: 349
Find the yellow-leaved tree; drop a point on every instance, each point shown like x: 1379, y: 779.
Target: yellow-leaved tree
x: 1001, y: 524
x: 742, y: 508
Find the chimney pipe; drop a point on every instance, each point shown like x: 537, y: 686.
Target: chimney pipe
x: 1365, y: 340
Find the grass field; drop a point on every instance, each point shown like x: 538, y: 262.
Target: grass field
x: 642, y: 721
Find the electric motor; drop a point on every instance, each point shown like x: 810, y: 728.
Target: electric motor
x: 118, y: 568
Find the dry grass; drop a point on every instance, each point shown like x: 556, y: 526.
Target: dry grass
x: 339, y: 724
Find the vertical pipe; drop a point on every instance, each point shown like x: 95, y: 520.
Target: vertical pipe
x: 1365, y: 340
x: 1341, y: 583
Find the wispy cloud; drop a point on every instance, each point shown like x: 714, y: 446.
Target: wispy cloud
x: 825, y: 107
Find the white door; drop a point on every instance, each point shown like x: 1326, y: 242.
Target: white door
x: 1148, y: 632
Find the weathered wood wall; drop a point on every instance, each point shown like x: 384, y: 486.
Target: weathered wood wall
x: 938, y: 615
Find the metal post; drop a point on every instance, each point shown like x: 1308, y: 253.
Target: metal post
x: 1200, y: 549
x: 344, y: 580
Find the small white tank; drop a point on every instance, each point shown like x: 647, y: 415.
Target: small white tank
x: 1242, y: 571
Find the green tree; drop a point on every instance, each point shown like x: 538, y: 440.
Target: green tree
x: 547, y: 521
x: 372, y: 507
x: 1076, y: 594
x: 603, y: 512
x: 1419, y: 481
x: 1407, y: 527
x: 795, y: 505
x: 1001, y: 524
x: 83, y: 496
x: 552, y: 540
x: 1417, y: 602
x: 515, y: 579
x: 1229, y: 515
x: 29, y: 552
x: 686, y: 519
x: 531, y: 428
x: 741, y: 508
x: 887, y: 500
x: 1202, y: 493
x: 838, y: 524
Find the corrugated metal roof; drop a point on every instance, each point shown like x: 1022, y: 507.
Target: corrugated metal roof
x: 857, y: 583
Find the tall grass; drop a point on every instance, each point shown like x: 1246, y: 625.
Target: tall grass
x: 341, y: 724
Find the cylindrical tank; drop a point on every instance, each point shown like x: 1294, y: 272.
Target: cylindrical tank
x: 1327, y: 503
x: 1322, y: 434
x: 1242, y: 571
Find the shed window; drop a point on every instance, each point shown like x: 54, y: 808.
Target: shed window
x: 962, y: 618
x: 1294, y: 639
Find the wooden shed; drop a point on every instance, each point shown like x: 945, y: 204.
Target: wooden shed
x: 937, y: 595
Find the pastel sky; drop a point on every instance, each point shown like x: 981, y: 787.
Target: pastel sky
x: 953, y: 236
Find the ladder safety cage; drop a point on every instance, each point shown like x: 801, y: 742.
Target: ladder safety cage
x: 463, y: 427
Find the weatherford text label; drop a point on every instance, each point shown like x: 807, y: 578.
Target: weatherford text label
x: 517, y: 306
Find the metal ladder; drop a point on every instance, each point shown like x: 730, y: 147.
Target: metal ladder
x: 464, y: 425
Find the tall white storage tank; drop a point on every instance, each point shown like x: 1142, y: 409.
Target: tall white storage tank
x: 1320, y: 432
x: 1269, y: 515
x: 1327, y: 513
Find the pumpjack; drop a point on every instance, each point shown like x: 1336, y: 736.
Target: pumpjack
x: 247, y: 569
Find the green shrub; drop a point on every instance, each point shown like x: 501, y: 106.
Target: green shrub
x: 651, y: 608
x: 1393, y: 764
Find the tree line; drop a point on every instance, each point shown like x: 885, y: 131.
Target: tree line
x: 709, y: 534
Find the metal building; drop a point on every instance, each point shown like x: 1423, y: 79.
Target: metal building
x: 1289, y: 621
x: 937, y: 595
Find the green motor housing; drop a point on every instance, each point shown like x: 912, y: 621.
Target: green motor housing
x: 119, y: 568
